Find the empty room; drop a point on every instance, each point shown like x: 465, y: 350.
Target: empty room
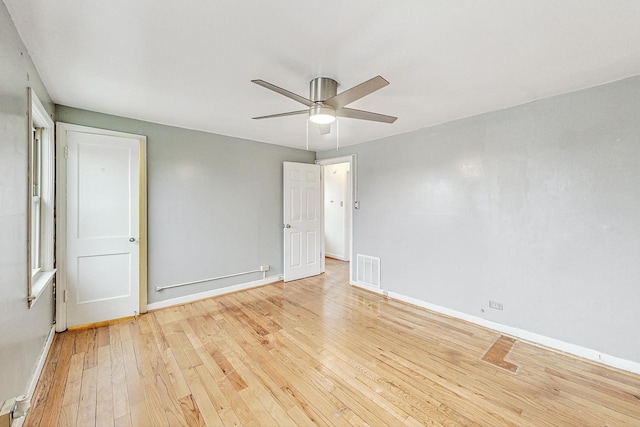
x: 332, y: 213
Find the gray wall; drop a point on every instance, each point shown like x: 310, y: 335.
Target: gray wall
x: 214, y: 203
x: 23, y: 331
x: 537, y: 207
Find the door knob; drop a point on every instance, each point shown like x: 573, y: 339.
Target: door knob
x: 287, y: 226
x: 131, y: 239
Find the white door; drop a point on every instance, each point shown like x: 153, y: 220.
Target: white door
x: 302, y: 221
x: 102, y: 224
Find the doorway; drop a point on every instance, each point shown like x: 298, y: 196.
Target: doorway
x: 337, y: 221
x: 339, y: 202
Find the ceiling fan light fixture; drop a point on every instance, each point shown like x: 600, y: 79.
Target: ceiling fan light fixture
x: 322, y: 115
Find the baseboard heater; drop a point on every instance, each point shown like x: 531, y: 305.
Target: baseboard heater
x: 263, y: 269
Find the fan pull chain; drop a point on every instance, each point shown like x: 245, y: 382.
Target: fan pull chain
x: 337, y: 134
x: 307, y: 134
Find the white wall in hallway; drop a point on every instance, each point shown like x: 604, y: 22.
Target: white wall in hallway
x: 337, y: 208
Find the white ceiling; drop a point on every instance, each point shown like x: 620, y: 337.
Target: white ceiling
x: 189, y: 63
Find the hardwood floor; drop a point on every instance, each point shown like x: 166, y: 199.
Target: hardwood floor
x: 318, y: 351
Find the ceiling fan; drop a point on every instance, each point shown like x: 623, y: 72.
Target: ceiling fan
x: 325, y: 103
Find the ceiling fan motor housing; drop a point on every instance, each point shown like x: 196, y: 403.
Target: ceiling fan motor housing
x: 322, y: 88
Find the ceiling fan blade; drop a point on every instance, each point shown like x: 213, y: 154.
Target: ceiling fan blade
x: 364, y: 115
x: 356, y: 92
x: 324, y: 129
x: 290, y: 113
x: 295, y: 97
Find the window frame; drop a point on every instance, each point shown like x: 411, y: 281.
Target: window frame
x: 40, y: 224
x: 35, y: 172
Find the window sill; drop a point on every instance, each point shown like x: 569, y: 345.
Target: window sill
x: 39, y: 283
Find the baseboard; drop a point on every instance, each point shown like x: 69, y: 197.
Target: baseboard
x: 338, y: 257
x: 212, y: 293
x: 42, y: 359
x: 41, y: 362
x: 534, y: 338
x: 369, y: 288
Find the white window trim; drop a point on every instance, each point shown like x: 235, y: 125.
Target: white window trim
x: 37, y: 283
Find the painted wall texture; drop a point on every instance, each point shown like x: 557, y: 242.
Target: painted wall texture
x: 214, y: 203
x: 536, y: 207
x: 23, y: 331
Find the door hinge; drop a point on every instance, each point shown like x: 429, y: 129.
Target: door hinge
x: 66, y: 151
x: 64, y: 296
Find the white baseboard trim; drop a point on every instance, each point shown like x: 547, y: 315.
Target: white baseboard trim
x: 338, y: 257
x: 369, y: 288
x: 41, y: 362
x: 534, y: 338
x: 212, y: 293
x: 42, y: 359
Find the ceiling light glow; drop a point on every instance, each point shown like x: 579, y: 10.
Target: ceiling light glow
x: 322, y: 115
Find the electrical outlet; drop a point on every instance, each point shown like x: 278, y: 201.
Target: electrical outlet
x: 496, y: 305
x: 264, y: 268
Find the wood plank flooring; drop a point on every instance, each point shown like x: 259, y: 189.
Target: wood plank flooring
x: 317, y: 352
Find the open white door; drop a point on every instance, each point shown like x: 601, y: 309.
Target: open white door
x: 103, y: 175
x: 302, y: 221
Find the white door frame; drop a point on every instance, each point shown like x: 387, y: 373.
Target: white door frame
x: 352, y: 160
x: 61, y: 217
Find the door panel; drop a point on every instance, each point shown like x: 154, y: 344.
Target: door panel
x: 110, y: 277
x: 312, y: 243
x: 103, y: 220
x: 103, y: 207
x: 302, y: 219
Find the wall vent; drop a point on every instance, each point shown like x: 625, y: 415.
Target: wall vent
x: 368, y: 271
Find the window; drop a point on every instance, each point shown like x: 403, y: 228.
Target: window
x: 36, y: 185
x: 41, y: 192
